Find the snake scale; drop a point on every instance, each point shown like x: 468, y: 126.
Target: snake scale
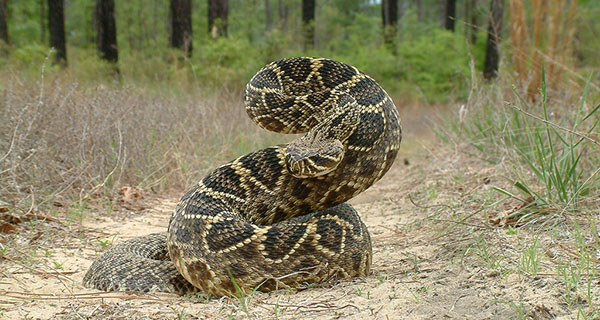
x: 277, y: 217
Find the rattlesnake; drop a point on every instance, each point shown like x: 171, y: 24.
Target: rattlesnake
x: 277, y: 217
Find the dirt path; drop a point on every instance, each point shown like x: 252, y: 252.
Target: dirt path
x: 423, y: 267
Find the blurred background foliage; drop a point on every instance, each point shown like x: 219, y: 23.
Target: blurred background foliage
x: 427, y: 63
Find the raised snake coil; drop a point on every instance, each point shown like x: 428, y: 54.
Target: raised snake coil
x: 277, y: 217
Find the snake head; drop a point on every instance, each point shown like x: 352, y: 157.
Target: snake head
x: 308, y: 157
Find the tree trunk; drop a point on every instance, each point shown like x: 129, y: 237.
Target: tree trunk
x: 180, y: 15
x: 466, y: 15
x: 3, y: 23
x: 56, y: 25
x: 389, y: 16
x: 268, y: 16
x: 420, y: 10
x: 283, y: 14
x: 217, y: 18
x: 474, y: 28
x: 401, y: 10
x: 106, y: 30
x: 43, y: 20
x: 180, y: 25
x: 308, y: 23
x: 492, y: 55
x: 450, y: 14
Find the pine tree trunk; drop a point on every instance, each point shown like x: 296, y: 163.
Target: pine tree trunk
x: 56, y: 25
x: 450, y: 14
x: 308, y: 23
x: 3, y: 23
x: 474, y: 27
x: 268, y: 16
x: 181, y: 26
x: 389, y: 16
x: 106, y: 30
x: 492, y: 55
x: 43, y: 20
x: 283, y: 14
x: 217, y: 18
x: 420, y: 10
x: 467, y: 14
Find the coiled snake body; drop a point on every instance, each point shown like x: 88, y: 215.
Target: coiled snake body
x: 277, y: 217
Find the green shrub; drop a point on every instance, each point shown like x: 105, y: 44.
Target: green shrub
x: 227, y: 61
x: 29, y: 59
x: 436, y: 64
x: 433, y: 66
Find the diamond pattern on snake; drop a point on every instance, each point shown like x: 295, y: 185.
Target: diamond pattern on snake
x: 278, y: 217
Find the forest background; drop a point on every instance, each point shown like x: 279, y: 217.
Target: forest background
x: 425, y: 54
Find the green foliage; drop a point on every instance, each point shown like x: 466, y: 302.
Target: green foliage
x: 428, y: 63
x: 88, y: 67
x: 29, y: 59
x: 79, y: 24
x: 417, y: 69
x: 437, y: 63
x: 227, y: 60
x: 24, y: 22
x: 142, y: 27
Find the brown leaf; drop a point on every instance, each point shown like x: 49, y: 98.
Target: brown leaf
x: 37, y: 236
x: 6, y: 227
x: 504, y: 218
x: 130, y: 198
x: 11, y: 218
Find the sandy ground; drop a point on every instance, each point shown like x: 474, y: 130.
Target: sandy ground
x: 423, y: 267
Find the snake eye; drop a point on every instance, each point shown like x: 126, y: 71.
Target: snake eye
x: 292, y: 165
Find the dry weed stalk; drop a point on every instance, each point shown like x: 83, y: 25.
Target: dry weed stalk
x: 542, y: 33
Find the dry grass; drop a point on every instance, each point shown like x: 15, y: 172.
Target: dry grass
x: 541, y: 204
x: 541, y: 35
x: 62, y: 140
